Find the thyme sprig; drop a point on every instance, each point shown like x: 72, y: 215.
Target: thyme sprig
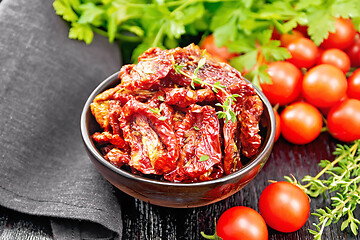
x: 342, y: 178
x: 227, y: 113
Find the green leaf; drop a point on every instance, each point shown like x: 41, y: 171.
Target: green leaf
x: 161, y: 98
x: 112, y: 27
x: 196, y: 128
x: 356, y: 22
x: 353, y: 228
x: 193, y: 13
x: 320, y: 24
x: 82, y: 32
x: 306, y: 4
x: 204, y: 158
x: 246, y: 61
x: 264, y: 75
x: 344, y: 9
x: 226, y: 33
x: 273, y: 52
x: 91, y: 14
x: 63, y: 8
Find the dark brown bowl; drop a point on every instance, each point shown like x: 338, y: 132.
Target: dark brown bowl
x: 177, y: 195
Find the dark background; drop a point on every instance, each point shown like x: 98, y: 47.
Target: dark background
x: 145, y: 221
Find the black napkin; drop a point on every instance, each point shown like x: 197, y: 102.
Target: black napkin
x: 45, y: 79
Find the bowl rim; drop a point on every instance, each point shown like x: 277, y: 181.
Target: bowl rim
x: 95, y: 152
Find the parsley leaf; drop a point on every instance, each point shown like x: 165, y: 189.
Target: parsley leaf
x: 63, y: 8
x: 82, y: 32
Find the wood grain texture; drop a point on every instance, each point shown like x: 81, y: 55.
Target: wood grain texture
x: 146, y: 221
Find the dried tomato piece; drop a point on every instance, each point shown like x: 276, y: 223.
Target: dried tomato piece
x: 211, y: 72
x: 184, y: 97
x: 250, y: 118
x: 232, y: 144
x: 154, y: 147
x: 153, y: 65
x: 106, y: 137
x: 117, y: 157
x: 200, y: 150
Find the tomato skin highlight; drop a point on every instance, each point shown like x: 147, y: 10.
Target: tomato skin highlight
x: 343, y: 120
x: 324, y: 85
x: 301, y: 123
x: 241, y: 223
x: 335, y: 57
x: 284, y: 206
x: 304, y: 52
x: 353, y: 90
x: 286, y: 83
x: 342, y: 37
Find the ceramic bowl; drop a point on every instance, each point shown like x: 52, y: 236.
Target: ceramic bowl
x: 176, y: 195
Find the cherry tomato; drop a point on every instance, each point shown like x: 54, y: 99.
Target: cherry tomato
x: 342, y: 37
x: 354, y: 52
x: 301, y: 123
x: 325, y: 110
x: 219, y: 53
x: 353, y: 90
x: 343, y: 120
x: 335, y: 57
x: 286, y: 38
x: 278, y: 125
x: 303, y: 51
x: 241, y: 223
x: 284, y: 206
x: 286, y: 83
x: 324, y: 85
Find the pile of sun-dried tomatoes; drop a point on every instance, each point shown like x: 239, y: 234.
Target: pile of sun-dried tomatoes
x: 180, y: 115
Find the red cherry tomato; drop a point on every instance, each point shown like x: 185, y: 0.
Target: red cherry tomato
x: 335, y: 57
x: 219, y: 53
x: 342, y: 37
x: 353, y: 90
x: 325, y: 110
x: 284, y: 206
x: 343, y: 120
x: 286, y: 83
x: 324, y: 85
x: 303, y: 51
x: 301, y: 123
x: 286, y: 38
x: 354, y: 52
x: 278, y: 125
x: 241, y: 223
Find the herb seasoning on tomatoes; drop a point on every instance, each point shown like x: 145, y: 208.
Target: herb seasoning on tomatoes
x: 180, y: 115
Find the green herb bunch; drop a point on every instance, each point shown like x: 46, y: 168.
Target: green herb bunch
x: 244, y: 26
x: 340, y: 177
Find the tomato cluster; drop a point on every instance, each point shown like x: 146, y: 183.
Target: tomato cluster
x: 316, y: 83
x: 282, y: 205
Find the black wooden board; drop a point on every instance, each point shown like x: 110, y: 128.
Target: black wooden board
x: 146, y: 221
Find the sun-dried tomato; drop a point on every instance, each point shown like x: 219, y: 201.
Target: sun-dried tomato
x: 153, y: 65
x: 250, y: 117
x: 200, y: 145
x: 158, y: 120
x: 184, y: 97
x: 154, y: 146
